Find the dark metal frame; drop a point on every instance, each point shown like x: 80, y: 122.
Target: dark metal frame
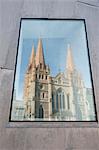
x: 54, y: 122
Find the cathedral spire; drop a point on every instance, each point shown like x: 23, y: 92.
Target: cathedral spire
x: 40, y: 54
x: 70, y: 63
x: 32, y: 58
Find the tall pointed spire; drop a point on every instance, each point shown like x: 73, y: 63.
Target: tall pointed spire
x: 70, y: 63
x: 40, y: 54
x: 32, y: 58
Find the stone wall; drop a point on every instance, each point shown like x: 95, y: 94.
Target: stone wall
x: 40, y: 136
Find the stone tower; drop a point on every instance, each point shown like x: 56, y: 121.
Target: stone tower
x: 60, y: 97
x: 37, y: 88
x: 77, y: 90
x: 70, y: 70
x: 29, y: 87
x: 43, y: 94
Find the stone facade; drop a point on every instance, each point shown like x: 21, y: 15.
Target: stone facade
x: 37, y: 89
x: 63, y: 97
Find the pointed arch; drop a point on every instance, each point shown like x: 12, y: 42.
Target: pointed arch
x: 41, y: 112
x: 60, y: 99
x: 68, y: 101
x: 54, y: 100
x: 53, y: 103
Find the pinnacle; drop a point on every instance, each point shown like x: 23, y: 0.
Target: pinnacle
x: 40, y: 54
x: 70, y: 62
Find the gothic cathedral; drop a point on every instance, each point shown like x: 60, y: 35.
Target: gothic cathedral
x: 63, y: 97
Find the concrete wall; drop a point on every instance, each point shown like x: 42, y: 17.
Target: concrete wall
x: 40, y: 136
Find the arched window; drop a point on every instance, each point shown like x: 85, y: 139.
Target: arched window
x: 53, y: 107
x: 60, y: 99
x: 40, y: 66
x: 68, y: 103
x: 39, y: 76
x: 43, y: 95
x: 63, y: 101
x: 41, y: 112
x: 36, y: 76
x: 57, y: 102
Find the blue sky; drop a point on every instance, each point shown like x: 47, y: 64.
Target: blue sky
x: 55, y: 35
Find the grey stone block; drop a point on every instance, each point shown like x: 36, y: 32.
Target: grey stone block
x: 9, y: 26
x: 43, y: 138
x: 82, y: 139
x: 6, y: 84
x: 91, y: 16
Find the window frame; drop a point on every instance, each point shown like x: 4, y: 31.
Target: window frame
x: 25, y: 123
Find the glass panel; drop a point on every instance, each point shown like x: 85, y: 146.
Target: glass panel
x: 53, y: 56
